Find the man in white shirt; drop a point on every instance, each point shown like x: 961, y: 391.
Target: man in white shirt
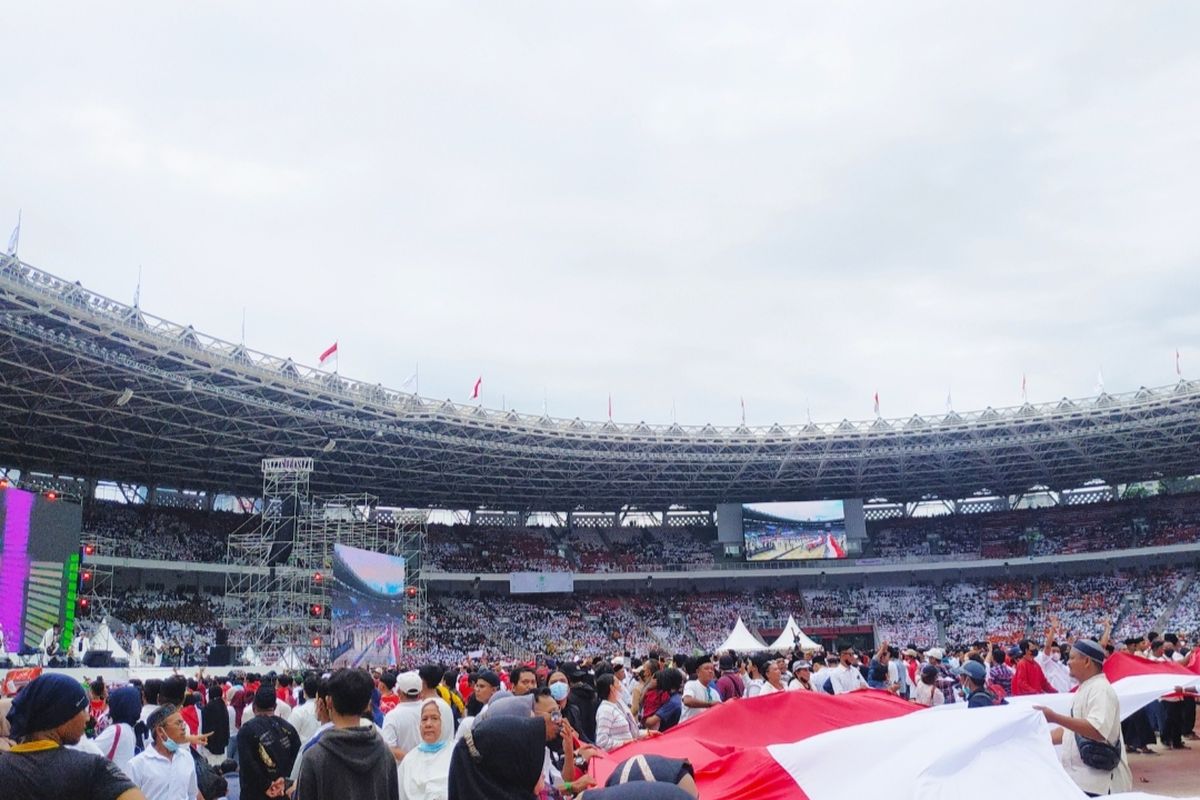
x: 1095, y: 715
x: 165, y: 771
x: 698, y: 694
x: 846, y: 676
x: 401, y: 729
x: 304, y: 716
x: 49, y: 645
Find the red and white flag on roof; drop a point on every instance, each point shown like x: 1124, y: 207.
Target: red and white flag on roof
x: 476, y: 388
x: 877, y: 402
x: 329, y: 354
x: 1178, y: 369
x: 809, y: 746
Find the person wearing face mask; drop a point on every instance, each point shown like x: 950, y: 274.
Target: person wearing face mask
x: 425, y: 772
x: 846, y: 677
x: 164, y: 771
x: 1029, y: 677
x: 1051, y: 662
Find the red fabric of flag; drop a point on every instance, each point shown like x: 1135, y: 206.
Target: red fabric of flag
x: 727, y: 745
x: 329, y: 352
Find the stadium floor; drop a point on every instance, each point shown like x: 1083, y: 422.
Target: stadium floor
x: 1174, y: 773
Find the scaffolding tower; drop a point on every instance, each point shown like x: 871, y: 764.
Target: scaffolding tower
x: 280, y: 599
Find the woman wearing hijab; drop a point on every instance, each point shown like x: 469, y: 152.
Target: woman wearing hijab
x: 500, y: 759
x: 425, y: 772
x: 214, y: 721
x: 118, y: 741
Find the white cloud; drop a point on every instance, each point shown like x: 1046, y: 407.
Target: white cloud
x: 798, y: 203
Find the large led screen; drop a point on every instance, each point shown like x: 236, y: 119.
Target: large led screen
x: 369, y: 605
x: 794, y: 531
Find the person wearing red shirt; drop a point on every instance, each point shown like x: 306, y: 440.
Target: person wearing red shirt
x: 1029, y: 678
x: 388, y: 699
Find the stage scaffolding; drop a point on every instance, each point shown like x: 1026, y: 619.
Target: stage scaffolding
x: 96, y: 580
x: 284, y: 600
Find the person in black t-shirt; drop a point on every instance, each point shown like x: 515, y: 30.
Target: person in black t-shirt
x: 267, y: 748
x: 50, y: 712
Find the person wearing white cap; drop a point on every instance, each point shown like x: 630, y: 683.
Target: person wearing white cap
x: 802, y: 680
x: 1092, y: 753
x: 401, y: 730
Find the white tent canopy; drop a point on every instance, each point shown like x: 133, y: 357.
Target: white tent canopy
x: 741, y: 640
x: 103, y: 639
x: 793, y: 636
x: 289, y: 660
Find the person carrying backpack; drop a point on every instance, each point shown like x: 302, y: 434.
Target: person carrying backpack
x: 973, y: 677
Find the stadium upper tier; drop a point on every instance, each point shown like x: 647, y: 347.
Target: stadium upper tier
x: 94, y: 387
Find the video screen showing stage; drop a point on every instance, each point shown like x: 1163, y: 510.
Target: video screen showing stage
x: 794, y: 531
x: 39, y: 565
x: 369, y: 604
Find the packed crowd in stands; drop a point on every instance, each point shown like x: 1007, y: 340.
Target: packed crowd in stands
x: 923, y: 614
x: 1152, y: 522
x: 158, y: 532
x: 173, y: 534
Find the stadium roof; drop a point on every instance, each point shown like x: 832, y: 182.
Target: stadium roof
x: 96, y: 388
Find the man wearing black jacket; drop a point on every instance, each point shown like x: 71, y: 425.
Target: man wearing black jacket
x: 267, y: 747
x: 350, y: 761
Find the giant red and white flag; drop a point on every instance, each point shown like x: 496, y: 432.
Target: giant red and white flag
x: 812, y: 746
x: 833, y: 547
x: 330, y: 353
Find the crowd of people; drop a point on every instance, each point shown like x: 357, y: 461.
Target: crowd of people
x: 160, y: 532
x: 480, y: 729
x: 1057, y: 530
x: 179, y: 534
x: 590, y: 623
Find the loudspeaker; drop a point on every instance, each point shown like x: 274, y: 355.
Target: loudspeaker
x: 220, y: 655
x: 97, y: 659
x: 285, y: 534
x: 222, y: 636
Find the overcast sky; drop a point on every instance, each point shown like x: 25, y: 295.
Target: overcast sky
x: 678, y: 203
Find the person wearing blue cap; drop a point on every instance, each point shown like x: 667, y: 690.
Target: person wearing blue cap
x: 1092, y: 753
x: 49, y: 713
x: 973, y: 677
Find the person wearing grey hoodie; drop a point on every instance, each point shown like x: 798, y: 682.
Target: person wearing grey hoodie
x: 350, y: 761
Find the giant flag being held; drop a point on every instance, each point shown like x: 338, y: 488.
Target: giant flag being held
x: 814, y: 746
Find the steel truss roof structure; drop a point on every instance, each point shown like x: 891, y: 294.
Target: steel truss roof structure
x: 97, y: 388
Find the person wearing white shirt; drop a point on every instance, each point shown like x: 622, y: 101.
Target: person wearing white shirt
x: 165, y: 771
x: 614, y: 724
x: 1096, y: 715
x: 79, y: 647
x: 846, y: 677
x: 698, y: 695
x: 304, y: 716
x: 135, y: 652
x: 803, y: 677
x: 49, y: 645
x: 401, y: 725
x: 926, y: 692
x: 773, y: 682
x: 118, y: 741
